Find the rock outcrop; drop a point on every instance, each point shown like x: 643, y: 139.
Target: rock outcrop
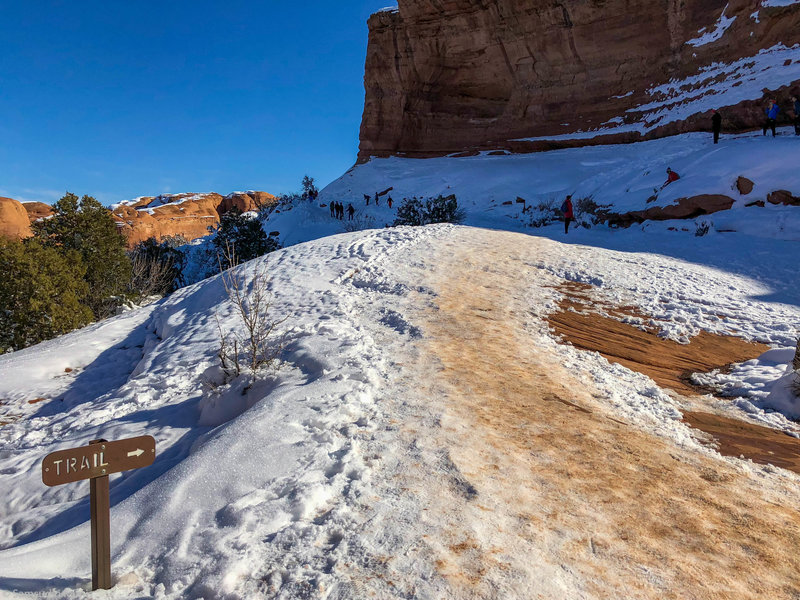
x: 14, y: 222
x: 190, y: 216
x: 684, y: 208
x: 447, y: 76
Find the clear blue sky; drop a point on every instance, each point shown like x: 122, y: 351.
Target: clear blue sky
x: 118, y: 99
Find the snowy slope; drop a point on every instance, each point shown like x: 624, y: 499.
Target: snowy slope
x: 290, y: 489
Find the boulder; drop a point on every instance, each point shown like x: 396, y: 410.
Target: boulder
x: 744, y: 185
x: 14, y: 222
x: 783, y: 197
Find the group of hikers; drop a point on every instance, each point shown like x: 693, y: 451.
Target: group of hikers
x: 337, y: 210
x: 389, y: 200
x: 771, y: 118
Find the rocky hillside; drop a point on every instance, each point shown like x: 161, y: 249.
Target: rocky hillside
x: 186, y: 215
x: 459, y: 75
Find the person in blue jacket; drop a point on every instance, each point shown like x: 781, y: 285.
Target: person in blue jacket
x: 772, y: 116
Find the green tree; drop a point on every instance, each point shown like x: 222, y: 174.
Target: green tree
x: 86, y: 227
x: 240, y: 238
x: 442, y: 209
x: 40, y: 293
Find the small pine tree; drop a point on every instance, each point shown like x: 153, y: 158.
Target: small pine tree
x: 40, y: 292
x: 86, y: 227
x: 309, y: 189
x: 243, y: 235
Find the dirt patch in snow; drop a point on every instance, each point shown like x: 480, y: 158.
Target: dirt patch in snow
x: 567, y: 500
x: 670, y: 364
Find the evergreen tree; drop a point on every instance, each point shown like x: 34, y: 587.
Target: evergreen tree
x: 240, y: 238
x: 86, y: 227
x: 309, y: 189
x: 442, y: 209
x: 40, y: 293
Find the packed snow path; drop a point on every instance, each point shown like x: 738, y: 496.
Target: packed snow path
x: 523, y: 482
x: 428, y: 437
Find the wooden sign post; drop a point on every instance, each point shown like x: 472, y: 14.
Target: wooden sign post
x: 96, y: 462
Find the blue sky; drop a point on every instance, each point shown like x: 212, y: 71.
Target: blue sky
x: 131, y: 98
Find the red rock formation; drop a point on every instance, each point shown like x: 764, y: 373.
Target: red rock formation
x: 37, y: 210
x: 14, y: 222
x: 684, y: 208
x: 188, y: 215
x: 445, y: 76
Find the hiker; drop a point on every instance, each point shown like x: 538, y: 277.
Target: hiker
x: 716, y: 124
x: 367, y: 197
x: 377, y: 198
x: 333, y: 209
x: 340, y: 210
x: 350, y: 211
x: 796, y: 115
x: 389, y: 199
x: 671, y: 176
x: 772, y: 115
x: 566, y: 208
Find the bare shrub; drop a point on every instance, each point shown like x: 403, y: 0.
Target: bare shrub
x: 544, y: 213
x: 359, y: 222
x: 255, y: 346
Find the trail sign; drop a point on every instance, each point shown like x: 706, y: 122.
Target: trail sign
x: 96, y: 462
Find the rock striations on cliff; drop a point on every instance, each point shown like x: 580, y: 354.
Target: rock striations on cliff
x: 446, y: 76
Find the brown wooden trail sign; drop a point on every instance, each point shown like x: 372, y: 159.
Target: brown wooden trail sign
x: 96, y: 462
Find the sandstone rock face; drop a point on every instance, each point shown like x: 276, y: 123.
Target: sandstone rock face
x: 14, y: 222
x: 191, y: 216
x: 447, y: 76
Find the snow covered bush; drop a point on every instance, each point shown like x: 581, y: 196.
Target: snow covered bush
x: 416, y: 211
x: 544, y: 213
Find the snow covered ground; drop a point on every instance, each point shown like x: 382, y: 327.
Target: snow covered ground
x: 368, y: 465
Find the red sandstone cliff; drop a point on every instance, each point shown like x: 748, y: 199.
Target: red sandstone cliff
x: 445, y: 76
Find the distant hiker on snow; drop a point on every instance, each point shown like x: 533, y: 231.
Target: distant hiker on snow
x: 716, y: 124
x: 389, y: 201
x: 333, y: 209
x: 350, y: 211
x: 367, y: 197
x: 377, y: 198
x: 566, y: 208
x: 772, y: 116
x: 671, y: 176
x: 340, y: 210
x: 796, y: 115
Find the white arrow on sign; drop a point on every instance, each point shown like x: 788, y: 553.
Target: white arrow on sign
x: 137, y: 453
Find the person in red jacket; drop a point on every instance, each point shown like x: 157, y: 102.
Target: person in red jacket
x: 671, y: 176
x: 566, y: 208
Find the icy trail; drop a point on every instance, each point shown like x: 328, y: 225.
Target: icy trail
x: 428, y: 437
